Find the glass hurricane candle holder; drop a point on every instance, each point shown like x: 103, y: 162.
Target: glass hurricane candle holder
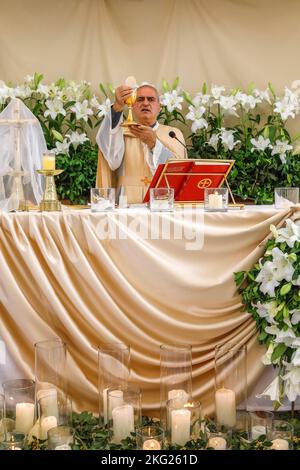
x: 13, y: 441
x: 260, y: 423
x: 51, y: 381
x: 286, y: 197
x: 150, y: 438
x: 161, y: 199
x: 175, y: 375
x: 60, y: 438
x: 216, y: 199
x: 230, y: 383
x: 281, y: 435
x: 113, y: 371
x: 124, y: 412
x: 19, y: 403
x: 102, y: 199
x: 183, y: 421
x: 219, y: 440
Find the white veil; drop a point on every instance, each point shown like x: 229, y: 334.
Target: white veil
x: 22, y: 145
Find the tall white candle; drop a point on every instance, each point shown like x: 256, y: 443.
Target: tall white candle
x: 225, y: 407
x: 280, y: 444
x: 123, y: 422
x: 217, y: 443
x: 180, y: 426
x: 47, y: 423
x: 24, y: 417
x: 48, y: 402
x: 115, y: 399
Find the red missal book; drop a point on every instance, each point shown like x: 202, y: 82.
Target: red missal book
x: 189, y: 177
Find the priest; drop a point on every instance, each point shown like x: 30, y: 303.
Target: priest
x: 128, y: 157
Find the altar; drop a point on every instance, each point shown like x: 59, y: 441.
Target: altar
x: 129, y: 276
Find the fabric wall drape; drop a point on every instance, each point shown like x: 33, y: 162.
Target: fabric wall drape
x: 230, y: 42
x: 59, y: 278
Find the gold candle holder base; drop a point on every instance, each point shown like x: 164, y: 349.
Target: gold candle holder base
x: 50, y: 203
x: 128, y: 124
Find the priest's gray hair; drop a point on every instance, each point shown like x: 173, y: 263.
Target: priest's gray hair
x: 149, y: 85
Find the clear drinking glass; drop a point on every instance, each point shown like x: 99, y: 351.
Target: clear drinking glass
x: 150, y: 438
x: 13, y: 441
x: 286, y: 197
x: 102, y: 199
x: 219, y: 440
x: 281, y: 435
x: 175, y: 375
x: 19, y: 404
x: 161, y: 199
x: 230, y: 383
x: 260, y: 423
x: 216, y: 199
x: 124, y: 411
x: 113, y: 371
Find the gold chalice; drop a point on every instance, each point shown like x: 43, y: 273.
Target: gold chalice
x: 130, y: 81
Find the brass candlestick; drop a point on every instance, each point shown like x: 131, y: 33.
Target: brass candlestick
x: 50, y: 202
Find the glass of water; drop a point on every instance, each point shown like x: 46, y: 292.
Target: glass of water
x: 102, y: 199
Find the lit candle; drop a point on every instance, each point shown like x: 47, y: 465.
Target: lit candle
x: 217, y: 443
x: 115, y: 399
x: 48, y: 402
x: 151, y: 444
x: 24, y: 417
x: 13, y: 447
x: 280, y: 444
x: 225, y: 407
x: 215, y: 201
x: 180, y: 426
x: 257, y: 431
x: 48, y: 161
x: 47, y: 423
x: 63, y: 447
x: 123, y: 422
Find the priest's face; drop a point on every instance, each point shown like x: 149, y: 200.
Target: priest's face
x: 147, y: 105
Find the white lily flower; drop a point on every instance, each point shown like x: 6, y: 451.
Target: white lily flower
x: 22, y: 91
x: 281, y: 147
x: 29, y: 78
x: 247, y: 101
x: 55, y: 107
x: 94, y: 103
x: 296, y: 282
x: 77, y: 139
x: 268, y: 310
x: 227, y: 139
x: 172, y: 100
x: 296, y: 343
x: 266, y: 359
x: 104, y: 108
x: 201, y: 100
x: 213, y: 141
x: 286, y: 337
x: 199, y: 124
x: 43, y: 90
x: 267, y: 279
x: 285, y: 110
x: 295, y: 316
x: 272, y: 330
x: 262, y: 95
x: 292, y: 381
x: 290, y: 234
x: 283, y: 268
x: 272, y: 391
x: 62, y: 147
x: 274, y: 230
x: 295, y: 361
x: 216, y: 91
x: 228, y: 105
x: 195, y: 113
x: 82, y: 110
x: 260, y: 144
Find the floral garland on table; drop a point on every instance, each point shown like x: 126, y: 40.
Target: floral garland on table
x: 271, y: 294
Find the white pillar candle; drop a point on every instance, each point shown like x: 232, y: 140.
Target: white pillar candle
x: 257, y: 431
x: 180, y: 426
x: 47, y: 423
x: 63, y: 447
x: 115, y: 399
x: 215, y: 201
x: 24, y: 417
x: 225, y: 407
x: 123, y: 422
x: 48, y: 162
x: 217, y: 443
x: 280, y: 444
x: 151, y: 444
x: 48, y: 402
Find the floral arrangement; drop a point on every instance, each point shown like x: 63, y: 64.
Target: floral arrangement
x: 271, y: 294
x: 247, y: 126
